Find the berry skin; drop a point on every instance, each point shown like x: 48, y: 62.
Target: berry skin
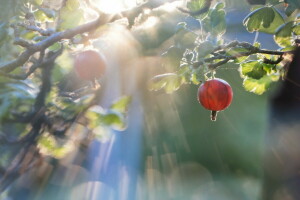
x: 89, y: 65
x: 215, y: 95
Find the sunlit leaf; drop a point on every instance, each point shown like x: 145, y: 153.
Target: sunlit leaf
x: 259, y: 86
x: 170, y: 82
x: 114, y: 120
x: 237, y: 52
x: 215, y: 23
x: 121, y: 105
x: 38, y: 2
x: 196, y: 5
x: 72, y: 4
x: 44, y: 15
x: 47, y: 145
x: 296, y: 29
x: 196, y: 77
x: 283, y: 35
x: 70, y: 17
x: 265, y: 19
x: 252, y: 69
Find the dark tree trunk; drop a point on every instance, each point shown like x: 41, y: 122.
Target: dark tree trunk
x: 282, y: 145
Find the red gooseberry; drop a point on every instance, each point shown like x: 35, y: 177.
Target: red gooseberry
x: 215, y: 95
x: 89, y: 65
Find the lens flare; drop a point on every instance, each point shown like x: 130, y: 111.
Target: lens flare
x: 115, y: 6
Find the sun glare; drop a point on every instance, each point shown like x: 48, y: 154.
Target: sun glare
x: 115, y: 6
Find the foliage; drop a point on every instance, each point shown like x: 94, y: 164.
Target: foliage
x: 207, y: 52
x: 42, y: 36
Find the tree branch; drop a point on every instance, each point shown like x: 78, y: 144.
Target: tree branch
x: 226, y: 58
x: 70, y: 33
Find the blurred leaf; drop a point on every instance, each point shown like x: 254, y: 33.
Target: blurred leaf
x: 56, y: 46
x: 51, y: 14
x: 259, y: 86
x: 252, y: 69
x: 265, y: 19
x: 289, y: 48
x: 296, y: 29
x: 10, y: 8
x: 196, y: 77
x: 170, y: 82
x: 41, y: 16
x: 48, y: 146
x: 204, y: 49
x: 64, y: 64
x: 114, y: 120
x: 38, y: 2
x: 184, y: 39
x: 257, y: 44
x: 172, y: 57
x: 215, y: 23
x: 184, y: 73
x: 237, y: 51
x: 121, y: 105
x: 283, y: 35
x: 3, y: 32
x: 195, y: 5
x: 73, y: 4
x: 14, y: 93
x: 102, y: 133
x: 71, y: 15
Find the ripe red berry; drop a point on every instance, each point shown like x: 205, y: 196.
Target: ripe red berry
x: 215, y: 95
x: 89, y: 65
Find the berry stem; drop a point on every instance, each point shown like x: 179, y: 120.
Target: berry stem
x: 213, y: 115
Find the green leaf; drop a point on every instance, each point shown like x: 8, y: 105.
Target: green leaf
x: 51, y: 14
x: 172, y: 57
x: 38, y: 2
x: 237, y: 51
x: 73, y: 4
x: 252, y: 69
x: 44, y: 15
x: 215, y: 23
x: 70, y: 17
x: 121, y: 105
x: 259, y: 86
x: 204, y: 49
x: 48, y: 146
x: 283, y: 35
x: 220, y: 6
x: 265, y: 19
x: 114, y: 120
x: 195, y: 5
x: 196, y: 77
x: 184, y: 73
x: 64, y: 64
x: 296, y: 29
x: 184, y: 39
x: 56, y: 46
x: 170, y: 82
